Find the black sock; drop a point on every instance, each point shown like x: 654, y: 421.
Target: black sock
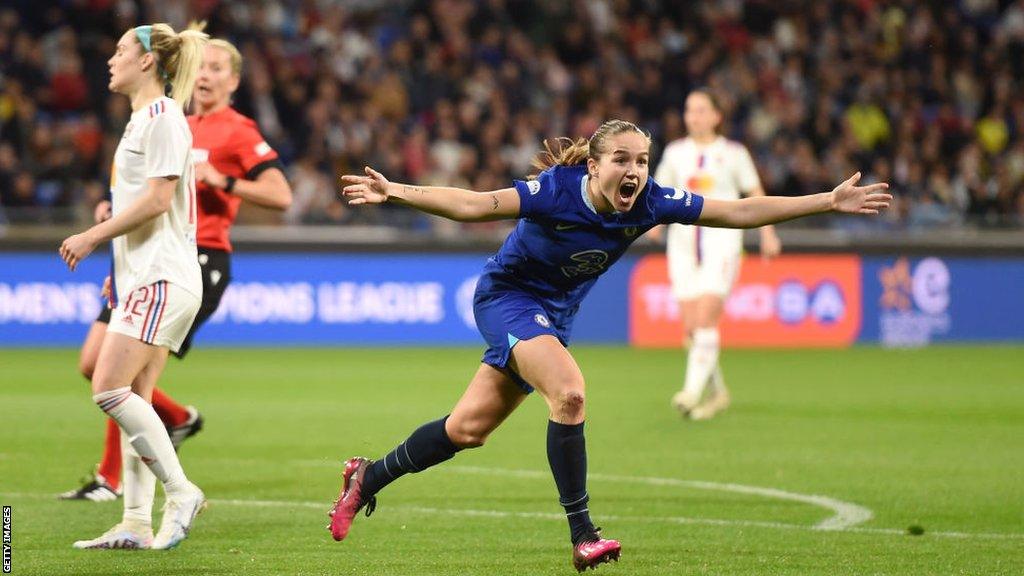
x: 567, y: 455
x: 427, y: 446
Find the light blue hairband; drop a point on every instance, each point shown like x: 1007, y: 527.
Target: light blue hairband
x: 143, y: 33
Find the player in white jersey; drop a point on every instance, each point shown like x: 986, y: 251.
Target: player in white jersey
x: 155, y: 285
x: 704, y: 262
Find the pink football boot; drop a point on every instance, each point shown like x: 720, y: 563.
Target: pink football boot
x: 588, y: 554
x: 349, y: 501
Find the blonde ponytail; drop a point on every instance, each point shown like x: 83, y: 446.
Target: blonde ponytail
x: 561, y: 151
x: 564, y: 151
x: 179, y: 56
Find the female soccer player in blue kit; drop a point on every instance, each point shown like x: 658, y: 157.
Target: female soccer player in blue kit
x: 592, y: 200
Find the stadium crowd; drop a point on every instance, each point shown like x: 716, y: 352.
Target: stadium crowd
x: 925, y: 95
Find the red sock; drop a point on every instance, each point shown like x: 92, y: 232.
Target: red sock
x: 110, y: 465
x: 170, y: 412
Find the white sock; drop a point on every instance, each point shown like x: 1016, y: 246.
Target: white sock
x: 146, y: 434
x: 718, y: 381
x: 701, y: 361
x: 138, y: 485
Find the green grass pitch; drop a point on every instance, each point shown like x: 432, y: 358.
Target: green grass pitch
x: 866, y: 441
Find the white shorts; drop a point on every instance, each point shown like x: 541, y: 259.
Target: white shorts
x: 703, y: 260
x: 160, y: 314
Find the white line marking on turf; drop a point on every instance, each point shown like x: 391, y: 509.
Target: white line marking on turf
x: 845, y: 519
x: 468, y: 512
x: 610, y: 518
x: 845, y: 515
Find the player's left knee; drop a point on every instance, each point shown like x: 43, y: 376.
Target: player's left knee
x: 571, y: 404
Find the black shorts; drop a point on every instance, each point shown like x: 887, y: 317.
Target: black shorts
x: 216, y: 268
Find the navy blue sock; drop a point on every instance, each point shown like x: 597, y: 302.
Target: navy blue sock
x: 427, y: 446
x: 567, y: 455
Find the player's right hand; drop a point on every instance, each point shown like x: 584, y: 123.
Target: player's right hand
x: 369, y: 189
x: 76, y: 248
x: 102, y: 211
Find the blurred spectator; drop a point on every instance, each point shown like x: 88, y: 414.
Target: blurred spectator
x: 926, y: 95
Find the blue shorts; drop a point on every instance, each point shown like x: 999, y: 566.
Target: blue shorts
x: 507, y: 316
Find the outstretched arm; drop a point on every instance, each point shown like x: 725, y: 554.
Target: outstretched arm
x: 454, y: 203
x: 846, y: 198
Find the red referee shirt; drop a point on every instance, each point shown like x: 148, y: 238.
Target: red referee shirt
x: 234, y: 146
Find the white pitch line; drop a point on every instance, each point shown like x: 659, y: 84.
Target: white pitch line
x: 468, y: 512
x: 845, y: 514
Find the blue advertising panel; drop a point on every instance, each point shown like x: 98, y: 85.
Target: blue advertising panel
x: 43, y: 304
x: 916, y: 301
x: 295, y: 299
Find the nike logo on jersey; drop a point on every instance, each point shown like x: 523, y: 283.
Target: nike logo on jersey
x: 560, y: 227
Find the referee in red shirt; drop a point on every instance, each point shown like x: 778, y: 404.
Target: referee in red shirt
x: 233, y: 163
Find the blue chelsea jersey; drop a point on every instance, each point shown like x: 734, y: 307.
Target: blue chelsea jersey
x: 561, y: 244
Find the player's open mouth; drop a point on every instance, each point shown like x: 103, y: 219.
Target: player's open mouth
x: 627, y: 189
x: 203, y: 90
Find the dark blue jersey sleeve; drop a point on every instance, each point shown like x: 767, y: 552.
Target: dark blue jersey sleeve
x: 676, y: 205
x: 537, y: 197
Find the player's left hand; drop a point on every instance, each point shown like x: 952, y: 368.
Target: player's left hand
x: 76, y: 248
x: 207, y: 174
x: 848, y: 198
x: 369, y: 189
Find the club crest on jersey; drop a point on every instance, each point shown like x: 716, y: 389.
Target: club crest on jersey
x: 631, y: 231
x: 542, y: 320
x: 533, y: 186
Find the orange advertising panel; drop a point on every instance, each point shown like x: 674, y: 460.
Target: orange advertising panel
x: 789, y: 301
